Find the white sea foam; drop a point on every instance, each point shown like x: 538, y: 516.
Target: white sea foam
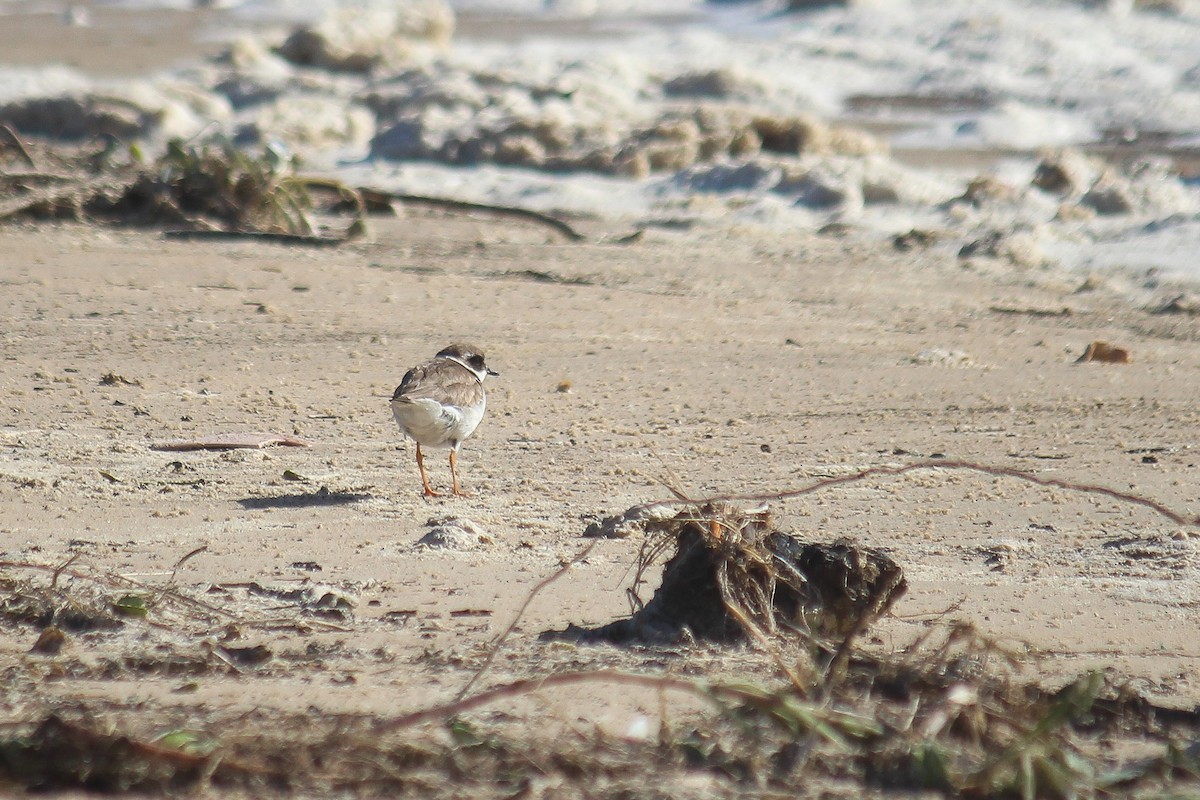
x: 20, y: 82
x: 680, y: 109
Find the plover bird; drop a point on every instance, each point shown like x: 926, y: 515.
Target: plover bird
x: 441, y: 402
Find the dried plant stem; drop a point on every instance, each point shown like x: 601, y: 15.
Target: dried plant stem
x: 496, y: 645
x: 375, y: 195
x: 61, y: 568
x: 968, y: 466
x: 463, y: 704
x: 175, y: 569
x: 205, y: 765
x: 800, y: 684
x: 16, y: 140
x: 198, y: 608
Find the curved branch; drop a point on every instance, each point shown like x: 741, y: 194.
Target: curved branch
x: 969, y: 466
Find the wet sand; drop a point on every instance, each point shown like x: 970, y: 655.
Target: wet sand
x: 115, y: 42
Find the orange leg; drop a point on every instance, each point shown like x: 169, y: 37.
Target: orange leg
x: 454, y: 473
x: 429, y: 492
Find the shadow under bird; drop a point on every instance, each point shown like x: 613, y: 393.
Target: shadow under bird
x: 441, y: 402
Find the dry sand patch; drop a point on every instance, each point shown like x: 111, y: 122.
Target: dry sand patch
x: 723, y: 363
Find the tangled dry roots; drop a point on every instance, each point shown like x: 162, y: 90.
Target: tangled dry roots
x: 733, y: 575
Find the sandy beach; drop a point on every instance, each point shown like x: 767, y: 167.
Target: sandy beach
x: 753, y: 380
x: 714, y: 360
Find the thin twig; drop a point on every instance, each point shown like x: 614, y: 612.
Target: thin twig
x: 12, y: 135
x: 737, y: 612
x: 649, y: 551
x: 671, y: 481
x: 836, y: 668
x: 195, y: 605
x: 274, y: 237
x: 61, y: 567
x: 171, y: 580
x: 934, y: 615
x: 463, y: 704
x: 461, y: 205
x: 495, y: 648
x: 1006, y: 472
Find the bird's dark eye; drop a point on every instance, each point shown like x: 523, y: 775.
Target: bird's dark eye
x: 476, y: 362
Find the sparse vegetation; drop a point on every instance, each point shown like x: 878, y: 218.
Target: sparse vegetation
x: 201, y: 189
x: 210, y: 187
x: 952, y: 713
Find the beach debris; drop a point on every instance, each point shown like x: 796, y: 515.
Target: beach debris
x: 371, y: 35
x: 315, y: 599
x: 942, y: 357
x: 1066, y: 172
x: 247, y: 656
x: 10, y: 137
x: 130, y: 605
x: 1017, y: 247
x: 951, y: 712
x: 1109, y: 197
x: 213, y: 188
x: 948, y: 718
x: 219, y: 191
x: 733, y: 576
x: 216, y: 186
x: 50, y: 641
x: 1104, y: 353
x: 78, y: 117
x: 463, y: 613
x: 1033, y: 311
x: 113, y: 379
x: 915, y: 239
x: 454, y: 533
x: 724, y: 83
x: 231, y: 441
x: 414, y: 123
x: 1183, y: 303
x: 74, y: 610
x: 634, y: 520
x: 378, y: 197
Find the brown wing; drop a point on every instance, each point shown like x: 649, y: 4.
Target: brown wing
x: 442, y: 380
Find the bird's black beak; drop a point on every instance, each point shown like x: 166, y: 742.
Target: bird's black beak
x: 493, y: 373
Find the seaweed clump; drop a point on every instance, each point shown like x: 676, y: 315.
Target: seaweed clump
x: 207, y: 188
x: 733, y: 575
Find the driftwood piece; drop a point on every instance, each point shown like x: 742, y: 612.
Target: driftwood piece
x: 257, y: 236
x: 230, y: 441
x: 374, y: 197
